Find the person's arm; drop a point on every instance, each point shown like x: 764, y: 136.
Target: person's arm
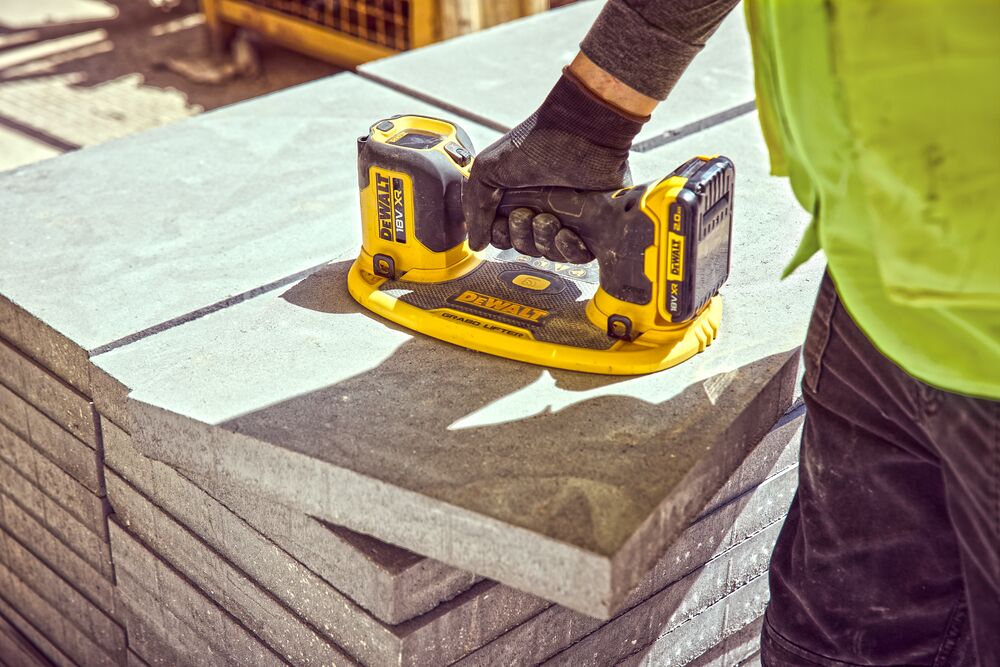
x: 581, y: 134
x: 647, y: 44
x: 610, y: 88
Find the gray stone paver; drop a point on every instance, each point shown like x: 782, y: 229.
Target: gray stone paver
x: 219, y: 215
x: 52, y: 626
x: 393, y: 584
x: 86, y: 616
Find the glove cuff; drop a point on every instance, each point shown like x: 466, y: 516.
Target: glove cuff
x: 572, y: 108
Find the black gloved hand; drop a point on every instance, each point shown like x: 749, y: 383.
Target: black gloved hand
x: 576, y: 140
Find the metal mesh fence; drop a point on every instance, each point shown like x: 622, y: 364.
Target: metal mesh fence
x: 382, y: 22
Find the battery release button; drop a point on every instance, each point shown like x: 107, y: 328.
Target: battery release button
x: 461, y: 155
x: 384, y: 126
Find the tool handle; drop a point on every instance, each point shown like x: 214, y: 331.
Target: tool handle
x: 611, y: 224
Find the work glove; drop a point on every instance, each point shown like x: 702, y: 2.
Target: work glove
x: 575, y: 139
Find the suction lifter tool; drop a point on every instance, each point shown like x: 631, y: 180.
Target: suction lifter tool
x: 649, y: 301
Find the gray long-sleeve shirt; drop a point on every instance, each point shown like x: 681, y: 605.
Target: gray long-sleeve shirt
x: 647, y: 44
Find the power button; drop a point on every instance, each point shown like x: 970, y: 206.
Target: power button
x: 461, y: 155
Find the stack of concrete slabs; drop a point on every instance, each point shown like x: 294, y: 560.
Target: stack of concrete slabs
x: 528, y: 510
x: 55, y: 553
x: 236, y: 573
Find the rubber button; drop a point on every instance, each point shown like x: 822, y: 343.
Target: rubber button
x: 384, y: 126
x: 536, y: 283
x: 461, y: 155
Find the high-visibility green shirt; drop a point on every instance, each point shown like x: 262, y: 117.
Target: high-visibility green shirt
x: 885, y: 115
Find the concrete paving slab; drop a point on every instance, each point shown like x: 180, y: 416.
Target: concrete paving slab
x: 448, y: 632
x: 233, y: 200
x: 511, y: 478
x: 501, y: 75
x: 767, y: 503
x: 393, y: 584
x: 74, y: 497
x: 536, y: 539
x: 61, y: 559
x: 61, y: 447
x: 133, y: 660
x: 721, y: 580
x: 697, y: 556
x: 94, y: 622
x: 52, y: 652
x: 747, y: 607
x: 687, y: 643
x: 178, y: 645
x: 16, y: 650
x: 777, y: 452
x: 731, y: 526
x: 48, y: 393
x: 17, y: 149
x: 180, y: 554
x: 50, y: 622
x: 175, y: 644
x: 41, y: 342
x: 147, y: 582
x: 80, y: 539
x: 733, y: 651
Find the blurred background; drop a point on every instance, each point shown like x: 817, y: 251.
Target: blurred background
x: 78, y: 72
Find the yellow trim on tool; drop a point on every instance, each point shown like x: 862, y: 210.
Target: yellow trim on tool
x: 643, y: 355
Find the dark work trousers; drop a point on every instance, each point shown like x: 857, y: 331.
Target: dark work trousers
x: 890, y: 554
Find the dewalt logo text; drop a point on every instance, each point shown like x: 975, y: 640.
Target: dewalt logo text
x: 675, y: 257
x: 502, y: 306
x: 390, y: 196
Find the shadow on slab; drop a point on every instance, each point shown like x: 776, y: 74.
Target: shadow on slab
x: 588, y: 472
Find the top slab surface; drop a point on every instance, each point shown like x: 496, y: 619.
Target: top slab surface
x: 501, y: 75
x: 565, y: 485
x: 140, y: 231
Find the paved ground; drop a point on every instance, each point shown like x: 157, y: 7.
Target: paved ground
x: 79, y: 72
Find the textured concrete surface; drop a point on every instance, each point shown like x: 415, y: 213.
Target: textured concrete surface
x: 735, y: 650
x: 133, y: 660
x: 146, y: 583
x: 688, y: 642
x: 48, y: 393
x: 482, y: 613
x: 61, y: 447
x: 62, y: 487
x: 297, y: 386
x: 52, y: 652
x: 17, y: 650
x: 97, y: 588
x: 177, y: 549
x: 50, y: 621
x: 80, y: 539
x: 741, y: 649
x: 501, y: 75
x: 165, y: 641
x: 777, y: 452
x: 395, y: 585
x: 231, y: 200
x: 694, y: 572
x: 690, y: 602
x: 95, y: 623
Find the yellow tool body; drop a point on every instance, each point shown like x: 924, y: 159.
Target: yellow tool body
x: 649, y: 301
